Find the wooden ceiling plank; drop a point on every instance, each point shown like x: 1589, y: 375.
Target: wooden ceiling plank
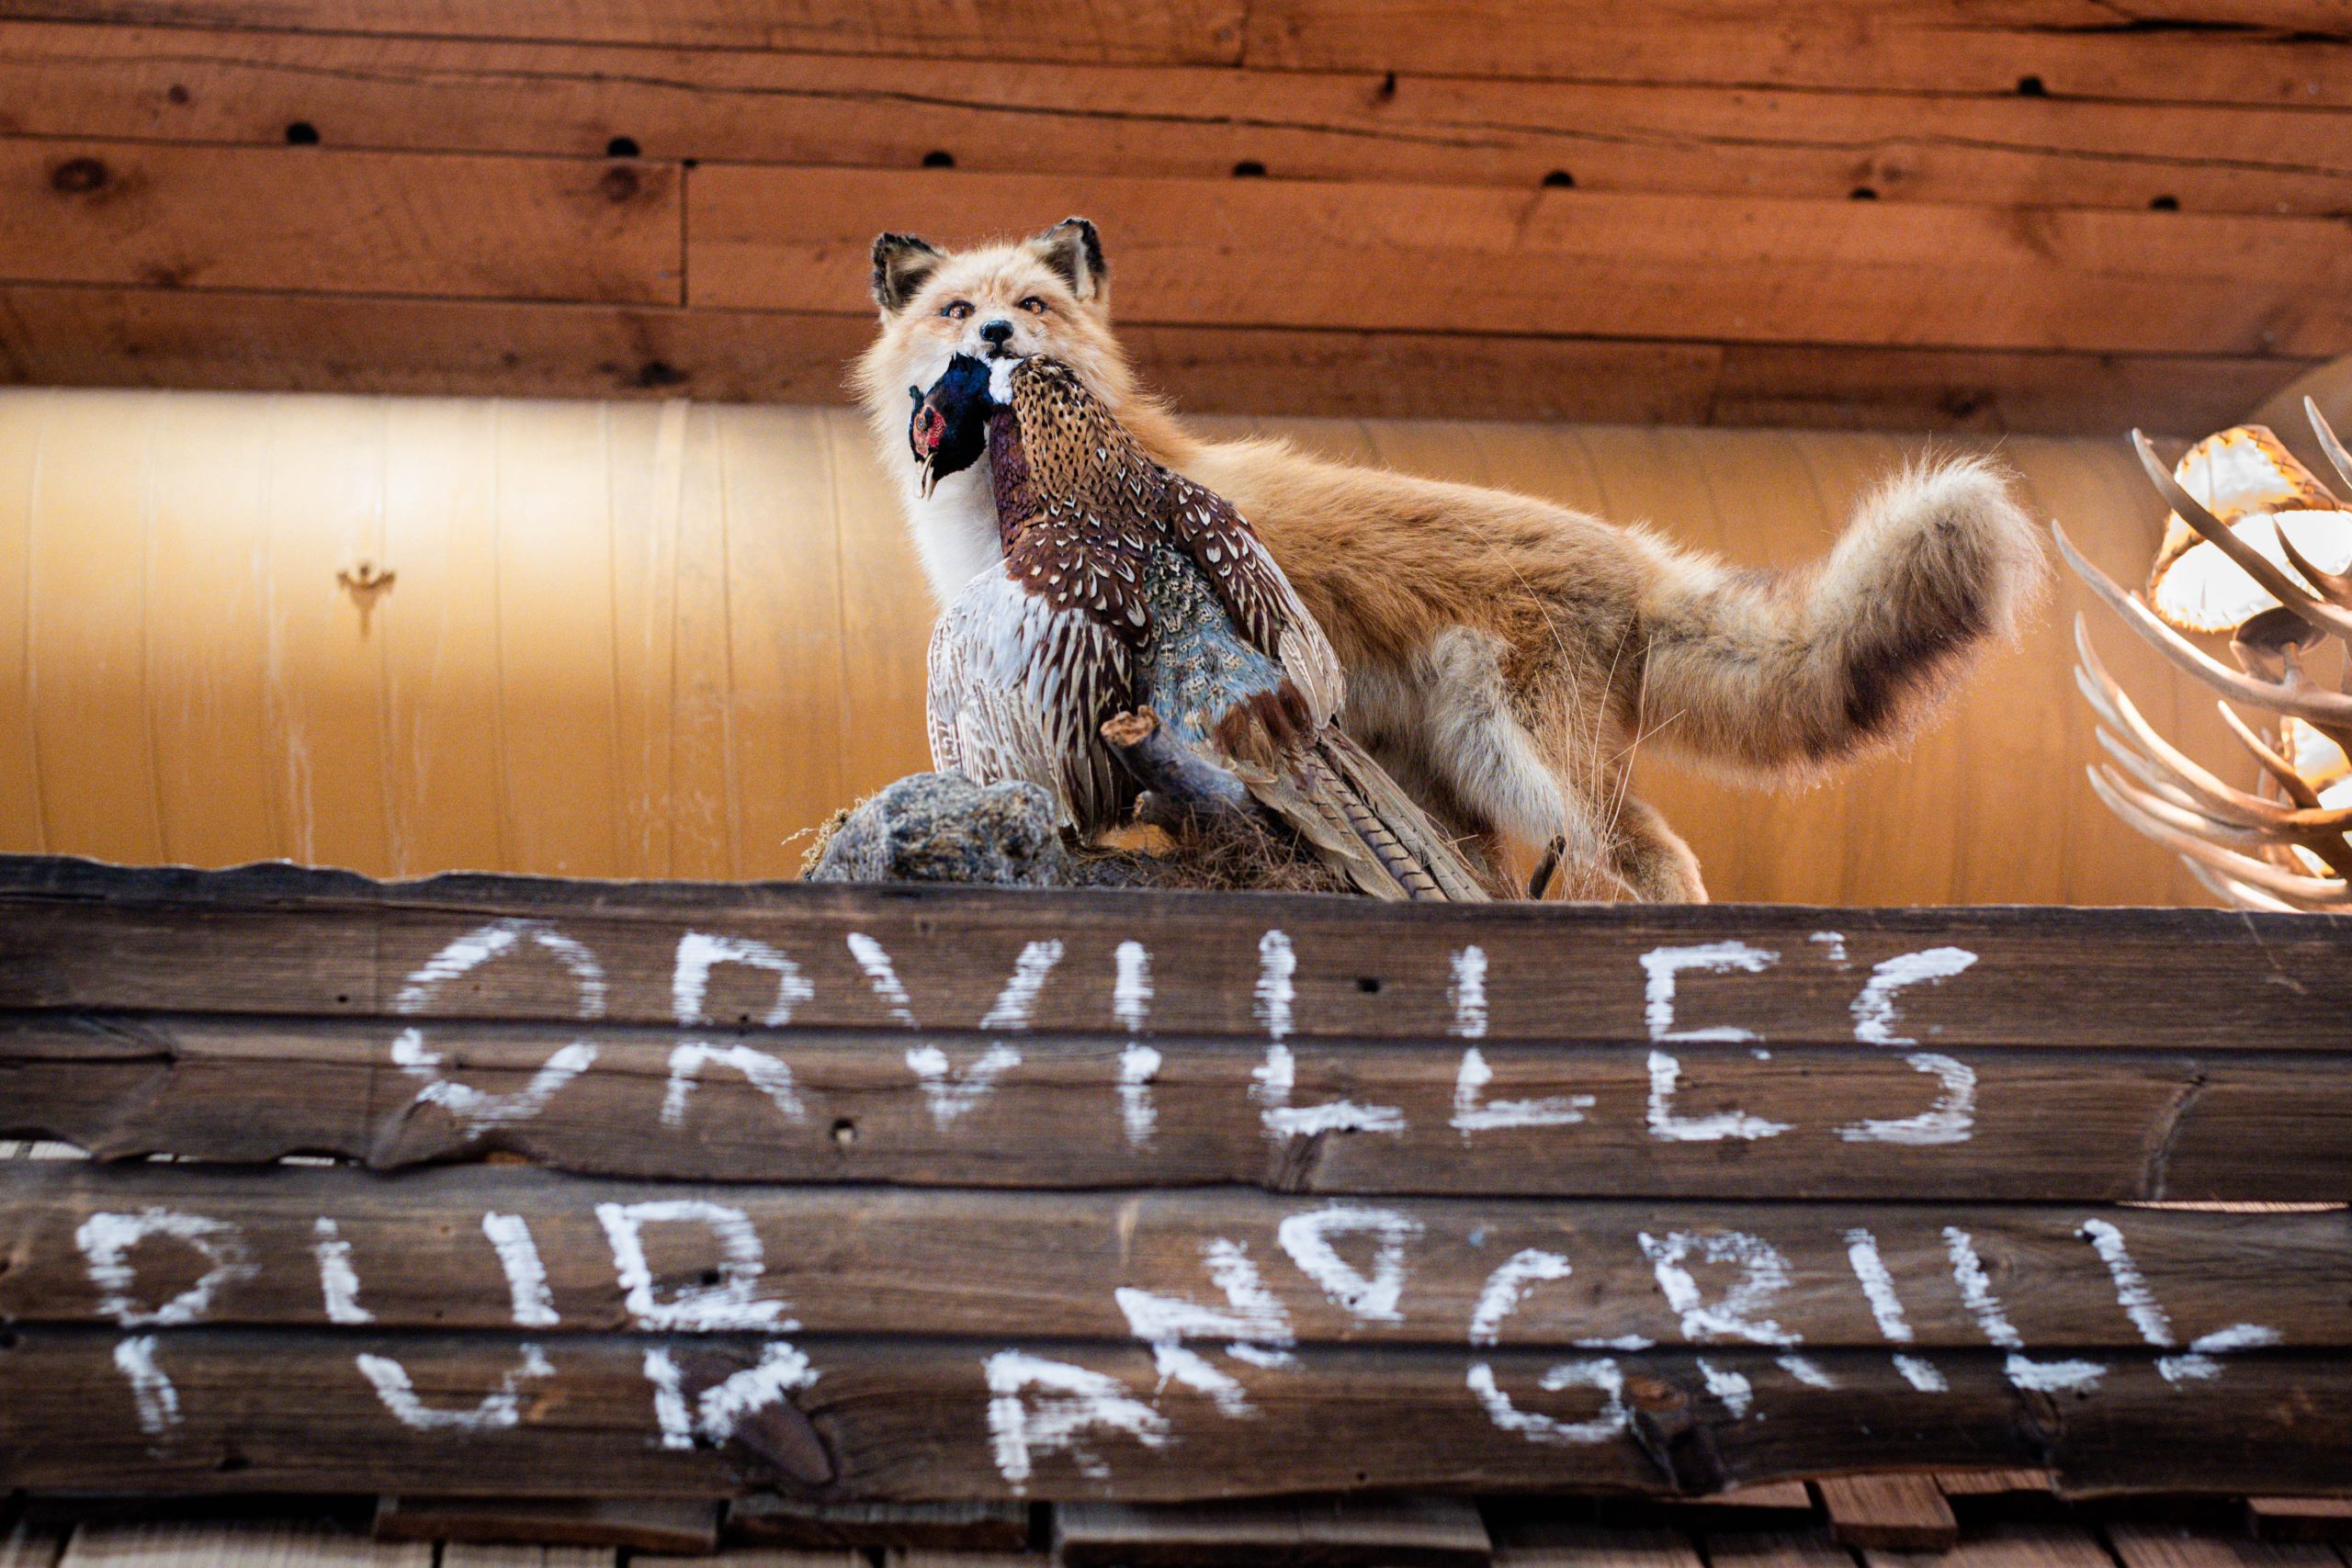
x: 1161, y: 30
x: 321, y: 221
x: 1265, y: 253
x: 247, y: 87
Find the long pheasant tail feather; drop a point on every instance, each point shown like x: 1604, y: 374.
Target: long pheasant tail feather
x: 1427, y: 846
x: 1359, y: 822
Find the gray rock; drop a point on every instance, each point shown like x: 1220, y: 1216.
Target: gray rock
x: 944, y: 827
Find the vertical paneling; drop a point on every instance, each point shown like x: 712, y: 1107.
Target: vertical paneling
x: 784, y: 645
x: 646, y: 501
x: 437, y: 631
x: 21, y: 423
x: 322, y: 507
x: 886, y: 619
x: 702, y: 755
x: 663, y: 639
x: 555, y: 563
x: 206, y: 632
x: 89, y: 626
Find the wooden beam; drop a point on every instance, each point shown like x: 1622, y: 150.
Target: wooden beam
x: 2244, y: 53
x: 314, y: 220
x: 423, y: 1253
x: 84, y: 335
x: 490, y: 96
x: 2044, y: 1126
x: 1186, y: 30
x: 887, y: 1420
x: 277, y: 939
x: 1431, y: 258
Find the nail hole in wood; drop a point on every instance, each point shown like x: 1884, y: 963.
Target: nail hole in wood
x: 79, y: 177
x: 1861, y: 193
x: 301, y: 133
x: 623, y: 147
x: 2165, y: 204
x: 1560, y: 179
x: 1248, y: 169
x: 2032, y: 87
x: 939, y: 158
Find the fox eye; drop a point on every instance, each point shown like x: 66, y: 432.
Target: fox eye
x: 956, y: 310
x: 1033, y: 305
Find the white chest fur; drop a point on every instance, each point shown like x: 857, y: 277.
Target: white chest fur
x: 954, y: 529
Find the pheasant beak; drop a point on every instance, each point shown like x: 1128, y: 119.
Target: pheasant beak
x: 930, y: 474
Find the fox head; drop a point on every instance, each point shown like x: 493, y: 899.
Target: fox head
x: 1049, y: 294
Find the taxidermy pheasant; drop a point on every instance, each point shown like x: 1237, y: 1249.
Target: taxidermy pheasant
x: 1124, y: 586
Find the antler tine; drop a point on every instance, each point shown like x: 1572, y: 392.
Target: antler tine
x: 2314, y: 892
x: 2325, y: 709
x: 2154, y: 777
x: 2189, y: 819
x: 2112, y: 703
x: 2337, y: 588
x: 2237, y: 893
x: 2327, y: 441
x: 2326, y: 618
x: 2277, y: 767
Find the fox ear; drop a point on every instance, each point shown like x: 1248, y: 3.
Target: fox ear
x: 901, y: 261
x: 1073, y: 249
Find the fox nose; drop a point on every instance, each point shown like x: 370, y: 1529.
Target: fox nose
x: 997, y: 332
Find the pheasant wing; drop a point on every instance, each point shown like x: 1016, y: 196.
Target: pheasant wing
x: 1018, y: 690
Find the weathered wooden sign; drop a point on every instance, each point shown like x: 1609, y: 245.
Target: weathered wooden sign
x: 890, y: 1194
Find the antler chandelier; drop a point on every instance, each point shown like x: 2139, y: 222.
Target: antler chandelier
x: 2258, y: 549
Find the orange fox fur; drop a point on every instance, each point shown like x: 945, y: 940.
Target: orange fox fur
x: 1502, y: 651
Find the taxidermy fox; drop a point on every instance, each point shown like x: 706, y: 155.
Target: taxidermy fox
x: 1501, y: 653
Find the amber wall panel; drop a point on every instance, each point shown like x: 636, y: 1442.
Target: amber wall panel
x: 640, y: 639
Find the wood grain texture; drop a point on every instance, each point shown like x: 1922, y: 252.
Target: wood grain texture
x: 1409, y: 1532
x: 2299, y: 1518
x: 2241, y: 54
x: 1056, y: 1263
x: 980, y: 1527
x: 1538, y: 1542
x: 1187, y: 30
x: 2225, y: 53
x: 2008, y: 1545
x: 244, y: 1544
x: 1898, y: 1513
x: 2047, y: 1124
x: 430, y: 95
x: 109, y: 335
x: 2155, y: 1544
x: 322, y: 221
x: 897, y: 1419
x: 642, y: 1524
x: 278, y: 940
x: 1432, y: 258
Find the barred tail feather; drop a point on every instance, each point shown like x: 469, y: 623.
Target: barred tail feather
x: 1360, y: 822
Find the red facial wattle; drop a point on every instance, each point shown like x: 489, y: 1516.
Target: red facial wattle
x: 930, y: 428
